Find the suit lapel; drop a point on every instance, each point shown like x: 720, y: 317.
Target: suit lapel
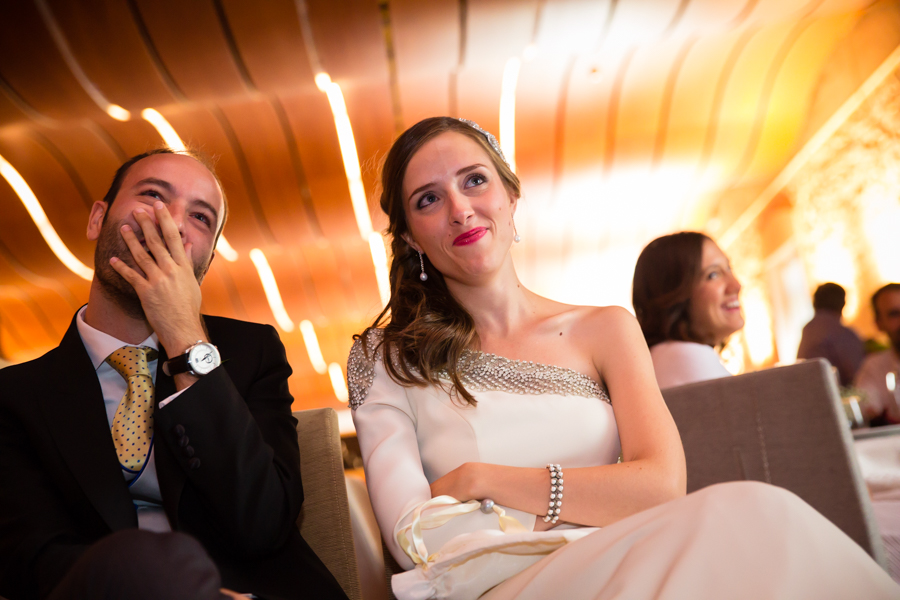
x: 168, y: 472
x: 76, y: 419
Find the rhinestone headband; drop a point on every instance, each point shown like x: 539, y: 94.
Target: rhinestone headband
x: 490, y: 138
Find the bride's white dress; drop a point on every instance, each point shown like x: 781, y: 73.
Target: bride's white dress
x: 735, y: 540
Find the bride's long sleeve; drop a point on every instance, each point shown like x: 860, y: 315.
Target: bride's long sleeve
x: 386, y: 430
x: 386, y: 424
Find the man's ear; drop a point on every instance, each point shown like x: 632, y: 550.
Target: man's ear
x: 95, y: 220
x: 412, y: 244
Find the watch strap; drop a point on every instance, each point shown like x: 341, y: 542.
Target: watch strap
x: 181, y: 364
x: 177, y: 365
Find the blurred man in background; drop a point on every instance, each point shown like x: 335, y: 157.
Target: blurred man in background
x: 878, y: 375
x: 826, y: 337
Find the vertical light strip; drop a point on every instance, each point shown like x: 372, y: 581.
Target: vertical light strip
x: 379, y: 259
x: 173, y: 141
x: 62, y: 44
x: 338, y: 383
x: 312, y: 347
x: 348, y: 152
x: 508, y: 110
x: 36, y: 211
x: 224, y: 249
x: 166, y: 131
x: 271, y: 288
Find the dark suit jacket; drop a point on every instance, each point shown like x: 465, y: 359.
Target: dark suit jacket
x: 61, y: 487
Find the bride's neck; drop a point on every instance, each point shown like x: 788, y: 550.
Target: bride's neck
x: 498, y: 306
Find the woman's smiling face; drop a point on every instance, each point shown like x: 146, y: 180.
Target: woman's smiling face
x: 458, y: 210
x: 715, y: 310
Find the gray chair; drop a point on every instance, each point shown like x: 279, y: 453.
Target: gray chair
x: 324, y: 520
x: 785, y: 426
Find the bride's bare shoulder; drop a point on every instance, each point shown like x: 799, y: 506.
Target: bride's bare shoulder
x: 594, y: 315
x: 608, y: 323
x: 591, y: 323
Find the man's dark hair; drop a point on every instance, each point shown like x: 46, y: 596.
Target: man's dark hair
x: 201, y: 158
x: 830, y: 296
x: 891, y: 287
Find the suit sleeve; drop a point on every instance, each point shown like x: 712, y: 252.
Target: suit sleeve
x: 38, y: 539
x: 237, y: 450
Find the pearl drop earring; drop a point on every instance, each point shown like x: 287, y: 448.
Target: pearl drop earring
x: 516, y: 238
x: 423, y: 275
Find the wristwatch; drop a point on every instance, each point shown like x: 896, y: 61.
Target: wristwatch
x: 199, y: 359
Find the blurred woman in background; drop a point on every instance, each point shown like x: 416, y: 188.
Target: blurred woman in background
x: 686, y: 299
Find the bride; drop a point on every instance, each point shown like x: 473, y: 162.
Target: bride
x: 517, y: 447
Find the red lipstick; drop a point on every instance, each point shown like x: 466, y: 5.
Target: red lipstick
x: 470, y: 237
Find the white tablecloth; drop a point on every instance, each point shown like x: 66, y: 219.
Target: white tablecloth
x: 879, y: 461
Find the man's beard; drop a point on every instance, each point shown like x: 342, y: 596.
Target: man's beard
x: 114, y: 286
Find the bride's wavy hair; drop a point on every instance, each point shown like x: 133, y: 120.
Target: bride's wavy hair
x: 425, y: 329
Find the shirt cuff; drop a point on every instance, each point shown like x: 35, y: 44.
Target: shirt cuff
x: 163, y: 403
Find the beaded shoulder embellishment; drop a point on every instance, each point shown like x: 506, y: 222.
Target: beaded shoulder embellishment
x: 361, y: 368
x: 482, y: 372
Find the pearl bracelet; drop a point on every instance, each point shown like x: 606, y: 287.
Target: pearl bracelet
x: 556, y: 493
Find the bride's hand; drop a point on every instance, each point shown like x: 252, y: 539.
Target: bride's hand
x: 461, y: 483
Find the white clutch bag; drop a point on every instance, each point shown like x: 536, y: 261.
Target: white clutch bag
x: 471, y: 563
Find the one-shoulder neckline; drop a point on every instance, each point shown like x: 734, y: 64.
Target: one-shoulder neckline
x: 481, y: 371
x: 518, y: 361
x: 486, y: 371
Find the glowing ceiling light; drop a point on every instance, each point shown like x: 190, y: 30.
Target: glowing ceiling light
x: 224, y: 249
x: 337, y: 382
x: 312, y: 347
x: 271, y: 288
x: 34, y: 208
x: 166, y: 131
x: 117, y: 112
x: 881, y: 222
x: 831, y: 259
x: 530, y: 52
x: 379, y: 259
x: 758, y: 327
x: 323, y: 80
x: 508, y: 110
x: 825, y: 133
x: 348, y: 152
x: 62, y: 44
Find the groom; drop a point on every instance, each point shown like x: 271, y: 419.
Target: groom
x: 153, y: 454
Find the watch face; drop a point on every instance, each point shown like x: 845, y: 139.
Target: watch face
x: 203, y: 358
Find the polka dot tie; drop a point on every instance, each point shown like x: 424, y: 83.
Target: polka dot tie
x: 132, y: 427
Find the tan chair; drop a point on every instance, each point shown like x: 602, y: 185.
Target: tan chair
x: 785, y: 426
x: 367, y: 540
x: 324, y: 520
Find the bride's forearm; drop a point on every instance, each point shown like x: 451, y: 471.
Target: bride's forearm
x: 595, y: 496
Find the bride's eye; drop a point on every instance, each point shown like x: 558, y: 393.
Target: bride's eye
x: 426, y: 200
x: 476, y: 180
